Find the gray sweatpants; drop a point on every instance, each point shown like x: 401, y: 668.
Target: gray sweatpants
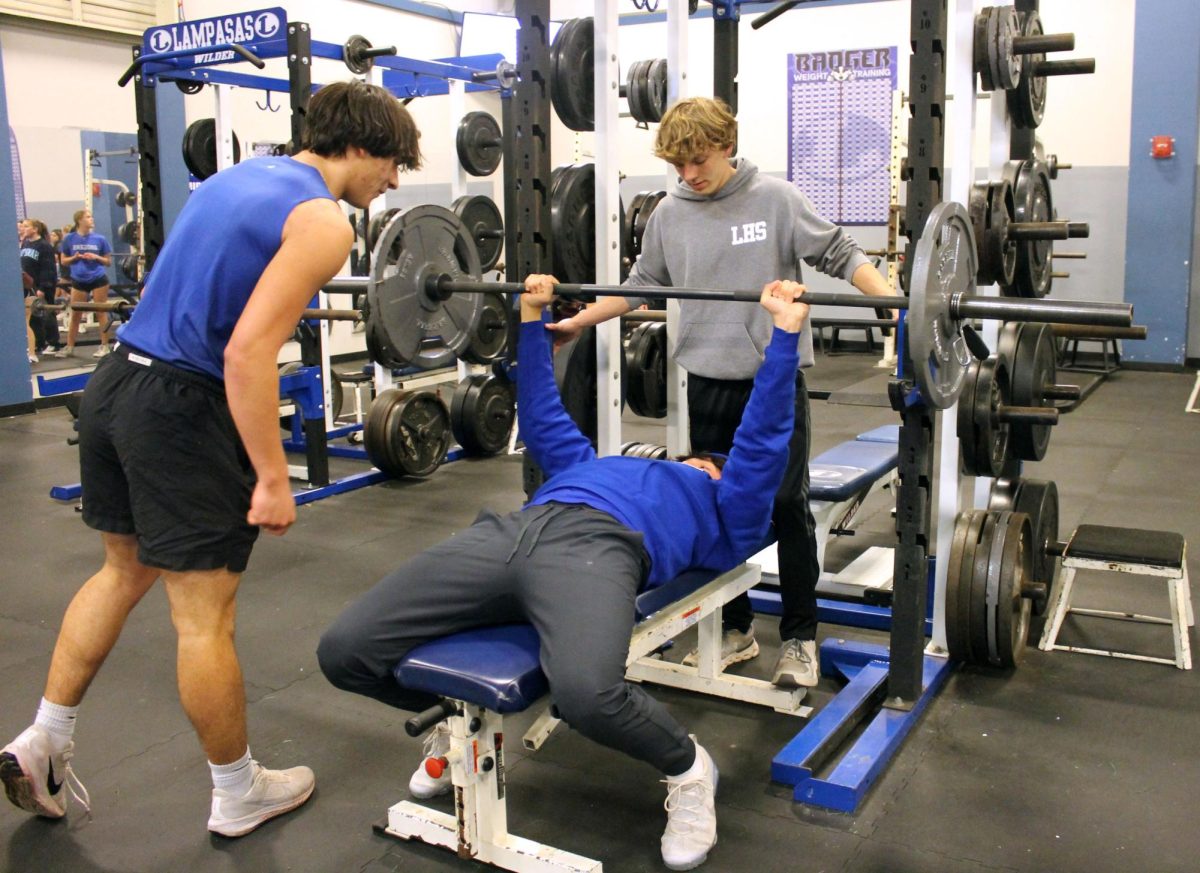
x: 571, y: 571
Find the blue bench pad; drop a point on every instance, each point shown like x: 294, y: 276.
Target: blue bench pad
x: 885, y: 433
x: 494, y: 667
x: 843, y: 471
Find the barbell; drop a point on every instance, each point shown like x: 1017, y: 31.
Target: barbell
x: 424, y: 297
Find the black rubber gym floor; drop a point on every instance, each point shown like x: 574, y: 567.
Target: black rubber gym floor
x: 1072, y: 763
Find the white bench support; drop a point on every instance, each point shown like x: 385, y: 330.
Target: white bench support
x: 703, y: 608
x: 479, y: 829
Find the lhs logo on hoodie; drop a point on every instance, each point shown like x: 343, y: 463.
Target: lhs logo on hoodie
x: 755, y: 231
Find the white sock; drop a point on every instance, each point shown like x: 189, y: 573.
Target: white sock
x: 236, y: 777
x: 696, y: 771
x: 58, y: 720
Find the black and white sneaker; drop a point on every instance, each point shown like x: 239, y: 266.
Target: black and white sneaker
x: 34, y: 774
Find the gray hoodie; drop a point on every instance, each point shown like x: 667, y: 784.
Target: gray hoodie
x: 754, y: 230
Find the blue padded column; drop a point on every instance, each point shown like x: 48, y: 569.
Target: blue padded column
x: 1162, y: 193
x: 15, y: 389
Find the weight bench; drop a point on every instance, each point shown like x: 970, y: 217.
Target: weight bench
x: 840, y: 479
x: 487, y: 673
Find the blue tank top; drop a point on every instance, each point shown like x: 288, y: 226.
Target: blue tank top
x: 223, y: 239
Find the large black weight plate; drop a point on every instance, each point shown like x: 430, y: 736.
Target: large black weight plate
x: 991, y: 208
x: 378, y: 223
x: 418, y: 328
x: 997, y: 66
x: 643, y: 217
x: 945, y: 263
x: 1033, y: 368
x: 489, y: 340
x: 129, y: 232
x: 416, y: 432
x: 573, y: 223
x: 983, y: 437
x: 478, y: 143
x: 630, y: 243
x: 1027, y: 102
x: 129, y: 266
x: 959, y: 574
x: 646, y: 370
x: 352, y: 55
x: 656, y: 90
x: 482, y: 413
x: 1032, y: 200
x: 1039, y: 500
x: 200, y: 148
x: 1009, y: 570
x: 485, y: 225
x: 573, y: 74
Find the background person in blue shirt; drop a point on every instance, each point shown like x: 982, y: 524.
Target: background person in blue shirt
x: 179, y: 445
x: 573, y: 560
x: 86, y: 254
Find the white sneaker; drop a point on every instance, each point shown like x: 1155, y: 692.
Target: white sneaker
x: 273, y: 793
x: 735, y: 646
x: 423, y: 786
x: 33, y: 359
x: 101, y: 352
x: 798, y: 665
x: 691, y: 817
x: 34, y: 774
x: 64, y: 352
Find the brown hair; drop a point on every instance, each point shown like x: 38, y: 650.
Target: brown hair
x: 693, y: 127
x: 717, y: 461
x: 39, y: 226
x: 79, y: 214
x: 345, y: 114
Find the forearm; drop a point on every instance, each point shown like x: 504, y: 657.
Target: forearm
x: 602, y: 310
x: 868, y: 280
x: 252, y: 389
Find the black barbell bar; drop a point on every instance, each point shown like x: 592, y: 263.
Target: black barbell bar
x: 962, y: 306
x: 1027, y: 230
x: 1075, y: 67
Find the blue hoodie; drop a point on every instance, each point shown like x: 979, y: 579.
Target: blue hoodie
x: 688, y: 520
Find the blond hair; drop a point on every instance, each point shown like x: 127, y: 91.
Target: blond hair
x: 693, y: 127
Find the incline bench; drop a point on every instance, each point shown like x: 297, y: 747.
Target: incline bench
x: 840, y: 479
x: 487, y: 673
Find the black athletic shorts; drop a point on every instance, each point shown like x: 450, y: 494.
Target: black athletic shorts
x: 160, y: 457
x: 89, y: 286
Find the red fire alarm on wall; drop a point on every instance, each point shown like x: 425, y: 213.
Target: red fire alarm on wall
x: 1162, y: 146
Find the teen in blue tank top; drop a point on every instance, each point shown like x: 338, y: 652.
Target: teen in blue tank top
x: 179, y: 448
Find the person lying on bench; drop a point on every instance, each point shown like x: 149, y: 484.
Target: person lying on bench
x: 572, y: 561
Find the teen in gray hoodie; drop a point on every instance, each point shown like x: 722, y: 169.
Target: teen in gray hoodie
x: 727, y: 226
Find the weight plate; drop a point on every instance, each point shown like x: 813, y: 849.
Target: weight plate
x: 637, y: 359
x: 485, y: 225
x: 489, y: 340
x: 418, y: 430
x: 352, y: 55
x: 129, y: 232
x: 944, y: 264
x: 1007, y: 65
x: 129, y: 267
x: 1033, y: 276
x: 1033, y: 369
x: 1009, y: 570
x: 573, y: 223
x: 1003, y: 494
x: 285, y: 421
x: 482, y: 413
x: 575, y: 375
x: 378, y: 223
x: 1027, y: 101
x: 200, y: 148
x: 1039, y: 501
x: 982, y: 47
x: 419, y: 328
x: 478, y: 143
x: 631, y: 243
x: 573, y: 74
x: 654, y: 370
x: 643, y: 217
x: 656, y: 90
x: 959, y: 575
x: 984, y: 437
